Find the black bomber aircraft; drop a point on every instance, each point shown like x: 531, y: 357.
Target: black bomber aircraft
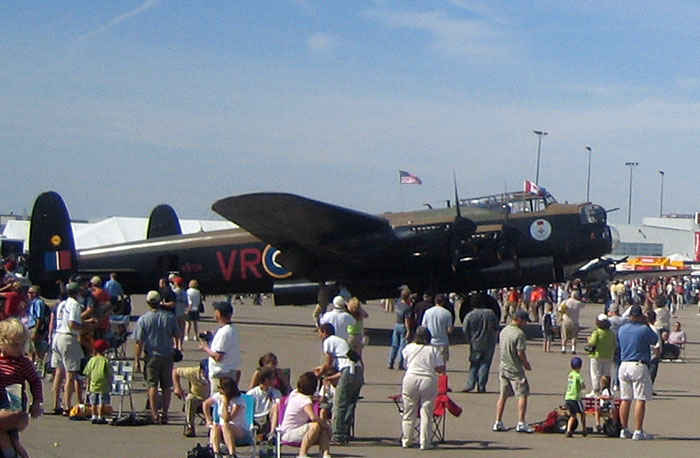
x: 290, y: 245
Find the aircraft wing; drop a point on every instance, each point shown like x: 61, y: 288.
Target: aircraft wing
x: 288, y: 220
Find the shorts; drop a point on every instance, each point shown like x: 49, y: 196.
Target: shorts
x: 574, y: 407
x: 158, y: 371
x: 296, y: 435
x: 569, y: 330
x: 67, y: 352
x: 514, y: 386
x: 192, y: 315
x: 635, y: 381
x: 99, y: 399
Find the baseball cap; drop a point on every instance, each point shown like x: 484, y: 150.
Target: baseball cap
x: 223, y: 307
x: 339, y: 302
x: 522, y: 315
x: 153, y: 297
x: 636, y: 311
x: 602, y: 317
x: 100, y: 345
x: 576, y: 362
x: 73, y: 287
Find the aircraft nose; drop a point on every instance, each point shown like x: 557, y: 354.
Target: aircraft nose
x: 614, y: 237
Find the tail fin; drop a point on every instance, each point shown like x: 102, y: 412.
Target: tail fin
x: 51, y: 245
x: 163, y: 221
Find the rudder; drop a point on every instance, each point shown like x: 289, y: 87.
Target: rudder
x: 163, y: 222
x: 51, y: 244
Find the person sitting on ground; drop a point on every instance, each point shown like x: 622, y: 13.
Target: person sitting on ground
x: 677, y: 335
x: 605, y: 402
x: 15, y: 368
x: 99, y: 374
x: 198, y: 381
x: 280, y: 382
x: 300, y: 423
x: 419, y: 387
x: 232, y: 424
x: 574, y: 390
x: 668, y: 350
x: 266, y: 399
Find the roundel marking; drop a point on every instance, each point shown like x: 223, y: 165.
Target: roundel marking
x: 56, y: 240
x: 270, y: 264
x: 540, y: 229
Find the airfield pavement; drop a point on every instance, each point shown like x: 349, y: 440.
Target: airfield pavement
x: 287, y: 331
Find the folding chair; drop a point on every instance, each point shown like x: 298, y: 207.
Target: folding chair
x: 443, y: 405
x: 121, y: 384
x: 250, y: 424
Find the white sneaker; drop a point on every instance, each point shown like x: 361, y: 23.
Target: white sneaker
x: 625, y: 434
x: 640, y: 435
x: 498, y: 426
x: 186, y: 338
x: 524, y: 428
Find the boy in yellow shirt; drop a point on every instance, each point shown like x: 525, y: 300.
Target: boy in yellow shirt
x: 99, y: 374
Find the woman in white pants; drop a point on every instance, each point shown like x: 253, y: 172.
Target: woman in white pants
x: 423, y: 363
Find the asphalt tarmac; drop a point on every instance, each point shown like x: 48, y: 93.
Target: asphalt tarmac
x: 288, y: 332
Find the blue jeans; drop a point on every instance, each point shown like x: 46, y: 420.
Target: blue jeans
x: 398, y: 341
x: 479, y: 369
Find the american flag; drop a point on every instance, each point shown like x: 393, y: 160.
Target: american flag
x: 408, y: 178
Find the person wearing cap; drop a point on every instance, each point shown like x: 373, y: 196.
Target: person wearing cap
x: 225, y: 349
x: 98, y: 370
x: 635, y: 339
x: 572, y: 397
x: 198, y: 384
x: 103, y: 306
x: 339, y: 318
x: 512, y: 369
x: 341, y: 368
x: 155, y: 335
x: 601, y: 347
x: 66, y: 350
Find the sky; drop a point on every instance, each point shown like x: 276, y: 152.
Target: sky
x: 122, y: 105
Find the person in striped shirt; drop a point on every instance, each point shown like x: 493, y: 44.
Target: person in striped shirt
x: 16, y: 368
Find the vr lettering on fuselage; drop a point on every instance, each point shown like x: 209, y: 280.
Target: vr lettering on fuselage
x: 247, y: 259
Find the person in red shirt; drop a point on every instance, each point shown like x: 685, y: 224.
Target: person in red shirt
x: 15, y: 302
x: 103, y: 306
x: 537, y: 299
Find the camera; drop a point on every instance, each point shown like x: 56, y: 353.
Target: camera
x: 206, y: 336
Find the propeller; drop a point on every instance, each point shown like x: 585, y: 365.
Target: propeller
x: 461, y: 229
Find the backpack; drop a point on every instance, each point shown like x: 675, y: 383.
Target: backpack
x: 549, y: 424
x: 200, y: 452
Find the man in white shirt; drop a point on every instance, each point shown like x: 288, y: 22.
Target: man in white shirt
x: 438, y: 320
x: 225, y: 349
x: 66, y: 349
x: 349, y: 376
x: 339, y: 318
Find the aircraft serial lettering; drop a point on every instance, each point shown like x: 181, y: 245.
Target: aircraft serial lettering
x: 249, y: 261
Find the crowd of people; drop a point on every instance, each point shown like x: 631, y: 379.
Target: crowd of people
x: 632, y: 334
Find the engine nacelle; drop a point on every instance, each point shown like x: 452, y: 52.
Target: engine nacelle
x: 295, y: 292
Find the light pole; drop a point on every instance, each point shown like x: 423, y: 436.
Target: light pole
x: 540, y: 134
x: 588, y: 180
x: 631, y: 165
x: 661, y: 197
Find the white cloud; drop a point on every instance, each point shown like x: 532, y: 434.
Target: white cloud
x: 451, y: 36
x: 321, y: 42
x: 145, y: 6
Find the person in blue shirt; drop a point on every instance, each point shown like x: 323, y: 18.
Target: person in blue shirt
x: 113, y: 287
x: 635, y: 339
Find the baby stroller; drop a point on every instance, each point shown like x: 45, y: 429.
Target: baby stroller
x: 118, y: 335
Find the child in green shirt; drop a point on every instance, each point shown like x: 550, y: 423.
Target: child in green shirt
x: 99, y: 374
x: 574, y: 388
